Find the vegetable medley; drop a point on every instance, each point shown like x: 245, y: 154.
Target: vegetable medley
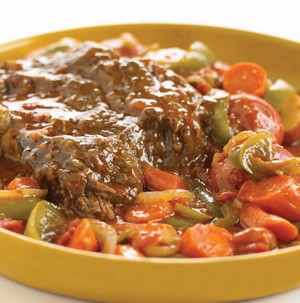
x: 236, y: 191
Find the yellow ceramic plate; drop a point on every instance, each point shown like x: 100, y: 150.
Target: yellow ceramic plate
x: 105, y: 278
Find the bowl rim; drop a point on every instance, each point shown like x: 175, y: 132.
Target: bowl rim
x: 10, y: 45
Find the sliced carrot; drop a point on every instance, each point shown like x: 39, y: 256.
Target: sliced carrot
x: 145, y: 212
x: 206, y: 241
x: 65, y: 238
x: 128, y: 251
x: 16, y: 226
x: 279, y: 195
x: 84, y: 237
x: 245, y: 77
x: 254, y: 240
x: 254, y: 216
x: 156, y: 179
x: 22, y: 182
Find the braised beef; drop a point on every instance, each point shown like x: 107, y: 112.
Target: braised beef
x: 85, y: 119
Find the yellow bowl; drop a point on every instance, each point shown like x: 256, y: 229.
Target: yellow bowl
x: 97, y: 277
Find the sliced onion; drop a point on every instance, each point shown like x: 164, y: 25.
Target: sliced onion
x: 168, y: 245
x: 105, y: 235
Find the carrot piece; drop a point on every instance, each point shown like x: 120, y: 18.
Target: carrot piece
x: 22, y: 182
x: 84, y: 237
x: 128, y: 251
x: 16, y: 226
x: 206, y: 241
x: 156, y: 179
x: 279, y: 195
x: 253, y: 240
x: 144, y: 212
x: 253, y: 216
x: 245, y: 77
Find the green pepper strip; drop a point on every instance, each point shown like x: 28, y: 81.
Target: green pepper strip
x: 180, y: 222
x: 256, y: 155
x: 190, y: 213
x: 18, y: 209
x: 230, y: 216
x: 278, y: 93
x: 221, y: 129
x: 204, y: 194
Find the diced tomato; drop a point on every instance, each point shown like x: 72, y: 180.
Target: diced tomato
x: 156, y: 179
x: 278, y: 195
x: 203, y: 87
x: 22, y: 182
x: 224, y: 176
x: 206, y: 241
x: 253, y: 240
x: 16, y: 226
x: 247, y: 112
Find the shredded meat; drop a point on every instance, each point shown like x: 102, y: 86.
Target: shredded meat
x: 84, y: 120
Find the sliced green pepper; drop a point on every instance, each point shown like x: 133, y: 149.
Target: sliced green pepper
x: 180, y: 222
x: 256, y: 156
x: 45, y: 221
x: 191, y: 213
x: 278, y: 92
x: 17, y: 204
x: 204, y: 194
x: 230, y: 216
x: 221, y: 129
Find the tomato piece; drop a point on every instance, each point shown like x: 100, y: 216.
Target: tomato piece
x: 22, y: 182
x: 16, y: 226
x: 206, y: 241
x: 156, y: 179
x: 144, y: 212
x: 128, y: 251
x: 253, y: 240
x: 203, y: 87
x: 278, y: 195
x: 83, y: 237
x: 245, y: 77
x: 224, y: 176
x: 247, y: 112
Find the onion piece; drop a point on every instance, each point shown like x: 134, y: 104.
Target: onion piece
x: 105, y: 235
x: 168, y: 245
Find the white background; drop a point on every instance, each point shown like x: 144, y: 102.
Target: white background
x: 22, y: 18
